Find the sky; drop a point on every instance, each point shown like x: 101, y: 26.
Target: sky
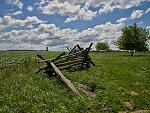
x: 57, y: 24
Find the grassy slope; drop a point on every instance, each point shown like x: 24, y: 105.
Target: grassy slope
x: 115, y: 76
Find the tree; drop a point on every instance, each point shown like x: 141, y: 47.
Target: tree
x: 102, y: 46
x: 133, y: 38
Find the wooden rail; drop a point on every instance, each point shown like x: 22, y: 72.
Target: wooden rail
x: 76, y: 59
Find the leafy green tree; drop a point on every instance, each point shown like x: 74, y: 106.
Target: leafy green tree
x: 133, y: 38
x: 102, y: 46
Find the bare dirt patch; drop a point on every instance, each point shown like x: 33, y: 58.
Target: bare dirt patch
x: 128, y: 105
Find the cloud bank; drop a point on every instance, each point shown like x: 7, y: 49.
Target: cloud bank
x: 51, y: 35
x: 136, y: 14
x: 8, y: 21
x: 29, y: 8
x: 80, y: 9
x: 15, y: 2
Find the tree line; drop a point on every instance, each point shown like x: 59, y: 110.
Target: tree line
x: 133, y: 38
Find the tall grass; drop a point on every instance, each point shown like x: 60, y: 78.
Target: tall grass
x: 114, y: 78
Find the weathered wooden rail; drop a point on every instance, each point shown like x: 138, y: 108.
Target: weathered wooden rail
x: 76, y: 59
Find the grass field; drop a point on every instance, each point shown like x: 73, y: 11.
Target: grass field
x: 121, y: 82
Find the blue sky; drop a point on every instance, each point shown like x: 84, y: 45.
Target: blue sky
x: 36, y: 24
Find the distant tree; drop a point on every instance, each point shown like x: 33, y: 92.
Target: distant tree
x: 133, y: 38
x: 102, y: 46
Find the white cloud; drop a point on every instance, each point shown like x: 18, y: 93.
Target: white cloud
x: 136, y: 14
x: 105, y: 5
x: 73, y: 11
x: 148, y: 10
x: 15, y: 2
x: 69, y: 19
x: 17, y: 13
x: 75, y: 2
x: 32, y: 20
x: 148, y: 27
x: 29, y: 8
x: 121, y: 20
x: 141, y: 22
x: 8, y: 21
x: 30, y: 26
x: 50, y: 35
x: 110, y: 5
x: 105, y: 33
x: 61, y: 8
x: 80, y: 9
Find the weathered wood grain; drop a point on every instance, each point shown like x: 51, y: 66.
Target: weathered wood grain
x: 64, y: 79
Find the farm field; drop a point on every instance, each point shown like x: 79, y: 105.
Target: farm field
x: 121, y: 83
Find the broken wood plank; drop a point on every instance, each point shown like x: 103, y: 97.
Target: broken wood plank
x: 68, y: 49
x: 43, y: 68
x: 43, y: 59
x: 72, y: 50
x: 40, y: 57
x: 69, y: 58
x: 53, y: 59
x: 88, y: 92
x: 70, y: 62
x: 89, y: 59
x: 92, y: 62
x: 38, y: 71
x: 86, y: 89
x: 73, y: 54
x: 89, y: 48
x: 64, y: 79
x: 69, y: 66
x: 75, y: 68
x: 88, y: 55
x: 83, y: 86
x: 58, y: 57
x: 80, y: 47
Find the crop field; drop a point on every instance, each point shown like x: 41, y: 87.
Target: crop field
x: 121, y: 83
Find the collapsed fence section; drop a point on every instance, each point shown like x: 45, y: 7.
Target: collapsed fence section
x: 76, y: 59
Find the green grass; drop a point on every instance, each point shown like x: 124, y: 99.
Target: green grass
x: 114, y: 77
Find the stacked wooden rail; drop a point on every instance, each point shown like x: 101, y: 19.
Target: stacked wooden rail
x: 76, y: 59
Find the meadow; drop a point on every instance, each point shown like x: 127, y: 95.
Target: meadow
x: 121, y: 83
